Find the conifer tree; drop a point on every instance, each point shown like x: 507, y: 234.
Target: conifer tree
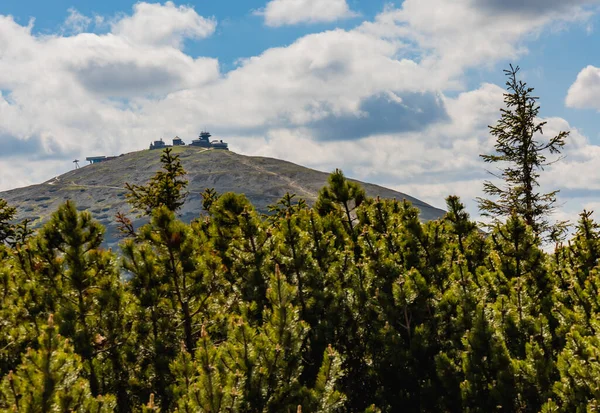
x: 63, y: 271
x: 352, y: 306
x: 521, y: 156
x: 241, y: 240
x: 209, y: 196
x: 286, y: 206
x: 178, y: 284
x: 577, y: 390
x: 469, y: 241
x: 578, y: 276
x: 49, y: 379
x: 16, y: 331
x: 522, y: 301
x: 489, y: 382
x: 21, y: 233
x: 7, y: 214
x: 167, y: 187
x: 204, y: 383
x: 270, y: 358
x: 342, y: 197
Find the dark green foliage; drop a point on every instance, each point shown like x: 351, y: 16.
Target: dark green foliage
x: 352, y: 306
x: 342, y: 197
x: 179, y: 287
x: 7, y: 214
x: 209, y: 196
x: 522, y: 156
x: 166, y: 188
x: 49, y: 379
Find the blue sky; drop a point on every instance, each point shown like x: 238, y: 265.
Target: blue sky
x: 397, y: 93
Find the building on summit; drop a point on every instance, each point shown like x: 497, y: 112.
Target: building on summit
x: 160, y: 144
x: 204, y: 142
x: 98, y: 159
x: 95, y: 159
x: 219, y: 145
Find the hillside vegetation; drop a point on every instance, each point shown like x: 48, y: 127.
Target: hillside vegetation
x: 100, y: 188
x: 351, y: 305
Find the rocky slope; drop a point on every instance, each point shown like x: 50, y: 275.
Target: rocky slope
x: 99, y: 188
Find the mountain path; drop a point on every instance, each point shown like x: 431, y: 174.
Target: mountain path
x: 291, y: 182
x: 97, y: 186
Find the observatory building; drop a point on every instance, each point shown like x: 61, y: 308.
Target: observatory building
x: 205, y: 142
x: 160, y: 144
x: 98, y: 159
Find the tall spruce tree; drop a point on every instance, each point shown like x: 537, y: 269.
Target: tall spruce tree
x: 521, y: 156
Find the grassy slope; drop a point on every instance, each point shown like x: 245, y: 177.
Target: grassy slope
x: 99, y: 188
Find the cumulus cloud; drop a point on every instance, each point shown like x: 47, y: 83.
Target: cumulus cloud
x: 443, y: 31
x: 302, y: 83
x: 163, y: 25
x: 380, y: 114
x: 75, y: 22
x: 290, y: 12
x: 585, y: 91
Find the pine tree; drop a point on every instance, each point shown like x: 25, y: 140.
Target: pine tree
x: 521, y: 156
x: 7, y: 214
x: 209, y: 196
x: 49, y: 379
x: 165, y: 188
x: 270, y: 358
x: 179, y: 284
x: 205, y: 383
x: 64, y: 271
x: 469, y: 240
x: 489, y: 383
x: 240, y: 238
x: 355, y: 305
x: 578, y: 276
x: 342, y: 197
x: 577, y: 390
x: 16, y: 330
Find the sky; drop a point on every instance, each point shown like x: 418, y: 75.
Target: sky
x: 397, y: 93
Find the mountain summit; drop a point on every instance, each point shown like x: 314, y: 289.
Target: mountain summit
x: 99, y: 187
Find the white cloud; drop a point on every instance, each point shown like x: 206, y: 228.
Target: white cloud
x: 163, y: 25
x: 301, y: 83
x: 75, y: 22
x: 585, y: 91
x: 290, y: 12
x: 454, y: 35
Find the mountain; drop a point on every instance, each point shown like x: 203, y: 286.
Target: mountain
x: 99, y: 188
